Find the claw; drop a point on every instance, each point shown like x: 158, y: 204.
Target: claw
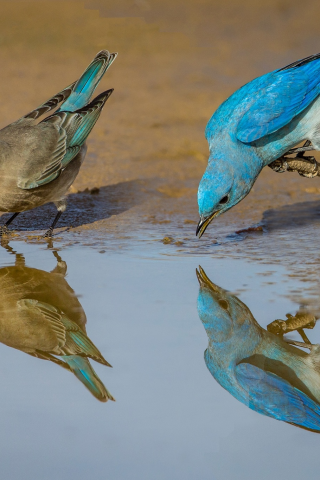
x: 48, y: 233
x: 280, y: 165
x: 4, y: 230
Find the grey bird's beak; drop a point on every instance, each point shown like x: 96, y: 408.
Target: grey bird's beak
x: 204, y: 222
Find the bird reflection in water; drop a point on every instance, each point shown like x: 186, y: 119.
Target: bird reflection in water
x: 259, y: 368
x: 41, y: 315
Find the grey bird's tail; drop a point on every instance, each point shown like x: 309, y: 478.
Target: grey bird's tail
x: 83, y: 370
x: 78, y: 94
x: 87, y: 83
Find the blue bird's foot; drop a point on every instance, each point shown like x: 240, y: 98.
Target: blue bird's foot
x: 280, y: 165
x: 310, y: 346
x: 313, y: 167
x: 305, y: 166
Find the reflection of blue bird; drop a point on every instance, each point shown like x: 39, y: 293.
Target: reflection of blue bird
x: 258, y: 124
x: 258, y: 368
x: 40, y: 315
x: 39, y: 161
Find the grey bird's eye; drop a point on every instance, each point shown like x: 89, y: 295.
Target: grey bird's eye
x: 224, y: 199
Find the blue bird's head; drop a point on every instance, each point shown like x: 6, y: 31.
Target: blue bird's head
x: 223, y: 315
x: 222, y: 186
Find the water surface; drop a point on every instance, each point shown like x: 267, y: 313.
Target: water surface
x: 171, y: 419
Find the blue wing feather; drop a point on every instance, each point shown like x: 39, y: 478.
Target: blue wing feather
x: 286, y: 94
x: 273, y: 396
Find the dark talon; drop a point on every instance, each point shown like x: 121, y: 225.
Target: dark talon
x: 48, y: 233
x: 4, y: 230
x: 300, y: 163
x: 280, y: 165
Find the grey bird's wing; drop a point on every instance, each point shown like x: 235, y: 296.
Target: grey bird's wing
x: 71, y: 338
x: 52, y: 103
x: 37, y: 154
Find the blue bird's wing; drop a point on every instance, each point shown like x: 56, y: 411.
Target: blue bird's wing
x: 269, y: 394
x: 286, y: 93
x: 73, y: 129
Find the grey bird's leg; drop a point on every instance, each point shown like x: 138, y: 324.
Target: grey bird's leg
x: 61, y: 206
x: 20, y: 260
x: 305, y: 166
x: 4, y: 228
x: 61, y: 267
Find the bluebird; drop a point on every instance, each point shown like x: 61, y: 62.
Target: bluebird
x: 258, y: 368
x: 39, y: 161
x: 260, y: 123
x: 41, y: 316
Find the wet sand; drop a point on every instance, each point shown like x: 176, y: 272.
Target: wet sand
x: 147, y: 153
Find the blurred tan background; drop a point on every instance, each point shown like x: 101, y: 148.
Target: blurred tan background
x: 178, y: 60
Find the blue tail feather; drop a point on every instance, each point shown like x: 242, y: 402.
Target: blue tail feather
x: 88, y: 82
x: 83, y: 370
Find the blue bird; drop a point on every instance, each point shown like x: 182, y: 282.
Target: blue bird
x: 258, y: 124
x: 40, y: 315
x: 40, y: 161
x: 258, y: 368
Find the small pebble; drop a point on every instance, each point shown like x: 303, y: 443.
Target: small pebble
x: 167, y: 240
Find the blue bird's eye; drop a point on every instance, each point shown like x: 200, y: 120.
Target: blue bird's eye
x: 224, y: 200
x: 224, y: 304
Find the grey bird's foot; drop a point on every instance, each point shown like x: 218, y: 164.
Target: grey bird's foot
x: 4, y: 230
x: 61, y: 208
x: 48, y: 233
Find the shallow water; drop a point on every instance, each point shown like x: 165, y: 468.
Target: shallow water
x: 131, y: 251
x: 171, y: 419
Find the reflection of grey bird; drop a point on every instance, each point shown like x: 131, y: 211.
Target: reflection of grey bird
x: 258, y: 368
x: 40, y: 161
x: 40, y: 315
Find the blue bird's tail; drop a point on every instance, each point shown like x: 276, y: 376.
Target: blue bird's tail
x: 87, y: 83
x: 82, y: 369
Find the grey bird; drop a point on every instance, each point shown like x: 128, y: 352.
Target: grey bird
x: 40, y: 315
x: 39, y: 161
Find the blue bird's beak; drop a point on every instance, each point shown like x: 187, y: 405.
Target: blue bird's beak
x: 205, y: 282
x: 204, y: 222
